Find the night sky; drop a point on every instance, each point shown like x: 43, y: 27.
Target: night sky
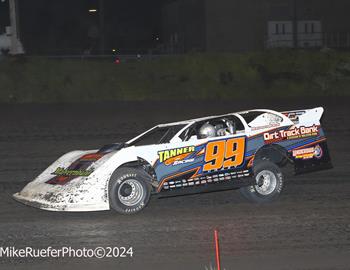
x: 67, y: 27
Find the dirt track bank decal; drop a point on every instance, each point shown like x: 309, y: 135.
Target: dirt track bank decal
x: 290, y: 134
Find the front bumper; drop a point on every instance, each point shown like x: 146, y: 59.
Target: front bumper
x: 49, y: 206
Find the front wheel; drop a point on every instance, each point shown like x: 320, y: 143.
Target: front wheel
x: 269, y: 183
x: 129, y: 190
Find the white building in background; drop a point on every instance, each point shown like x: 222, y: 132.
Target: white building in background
x: 248, y: 25
x: 280, y: 34
x: 310, y: 34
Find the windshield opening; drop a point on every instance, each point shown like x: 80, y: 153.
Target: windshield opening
x: 261, y: 119
x: 224, y: 125
x: 158, y: 135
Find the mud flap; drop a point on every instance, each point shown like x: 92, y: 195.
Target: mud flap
x: 319, y: 161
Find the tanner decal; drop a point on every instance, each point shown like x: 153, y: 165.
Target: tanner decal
x: 290, y: 134
x: 176, y: 156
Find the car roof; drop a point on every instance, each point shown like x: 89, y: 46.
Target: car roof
x: 190, y: 121
x: 186, y: 122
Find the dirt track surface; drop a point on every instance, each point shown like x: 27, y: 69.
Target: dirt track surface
x: 308, y: 228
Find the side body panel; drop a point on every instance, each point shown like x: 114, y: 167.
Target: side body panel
x: 205, y: 161
x: 232, y: 157
x: 306, y: 146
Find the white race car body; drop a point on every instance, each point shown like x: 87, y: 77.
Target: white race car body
x: 78, y: 181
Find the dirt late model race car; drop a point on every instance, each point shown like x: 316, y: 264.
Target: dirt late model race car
x: 251, y: 150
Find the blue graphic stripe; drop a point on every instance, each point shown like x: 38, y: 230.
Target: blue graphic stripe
x: 303, y: 143
x: 290, y: 146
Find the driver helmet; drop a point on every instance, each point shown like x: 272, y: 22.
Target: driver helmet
x: 207, y: 131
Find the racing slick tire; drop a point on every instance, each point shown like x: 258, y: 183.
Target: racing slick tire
x: 129, y: 190
x: 269, y: 179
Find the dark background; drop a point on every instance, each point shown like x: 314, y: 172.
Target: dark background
x: 59, y: 27
x: 175, y: 60
x: 178, y: 26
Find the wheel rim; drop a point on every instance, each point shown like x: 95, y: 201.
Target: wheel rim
x: 266, y: 182
x: 130, y: 192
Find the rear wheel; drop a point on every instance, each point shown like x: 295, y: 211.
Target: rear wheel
x: 269, y: 183
x: 129, y: 190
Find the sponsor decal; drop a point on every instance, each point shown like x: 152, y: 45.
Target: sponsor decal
x: 308, y: 153
x: 205, y: 179
x: 178, y: 162
x: 251, y: 162
x: 78, y: 168
x: 67, y: 172
x: 305, y: 153
x: 176, y: 156
x: 294, y: 116
x: 265, y: 127
x: 318, y: 152
x: 290, y: 134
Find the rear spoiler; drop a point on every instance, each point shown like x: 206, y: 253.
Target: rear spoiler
x: 302, y: 116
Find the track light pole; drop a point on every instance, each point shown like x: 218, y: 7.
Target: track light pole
x: 16, y: 45
x: 295, y: 24
x: 102, y: 25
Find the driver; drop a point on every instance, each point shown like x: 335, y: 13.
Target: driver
x: 229, y: 128
x: 208, y: 130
